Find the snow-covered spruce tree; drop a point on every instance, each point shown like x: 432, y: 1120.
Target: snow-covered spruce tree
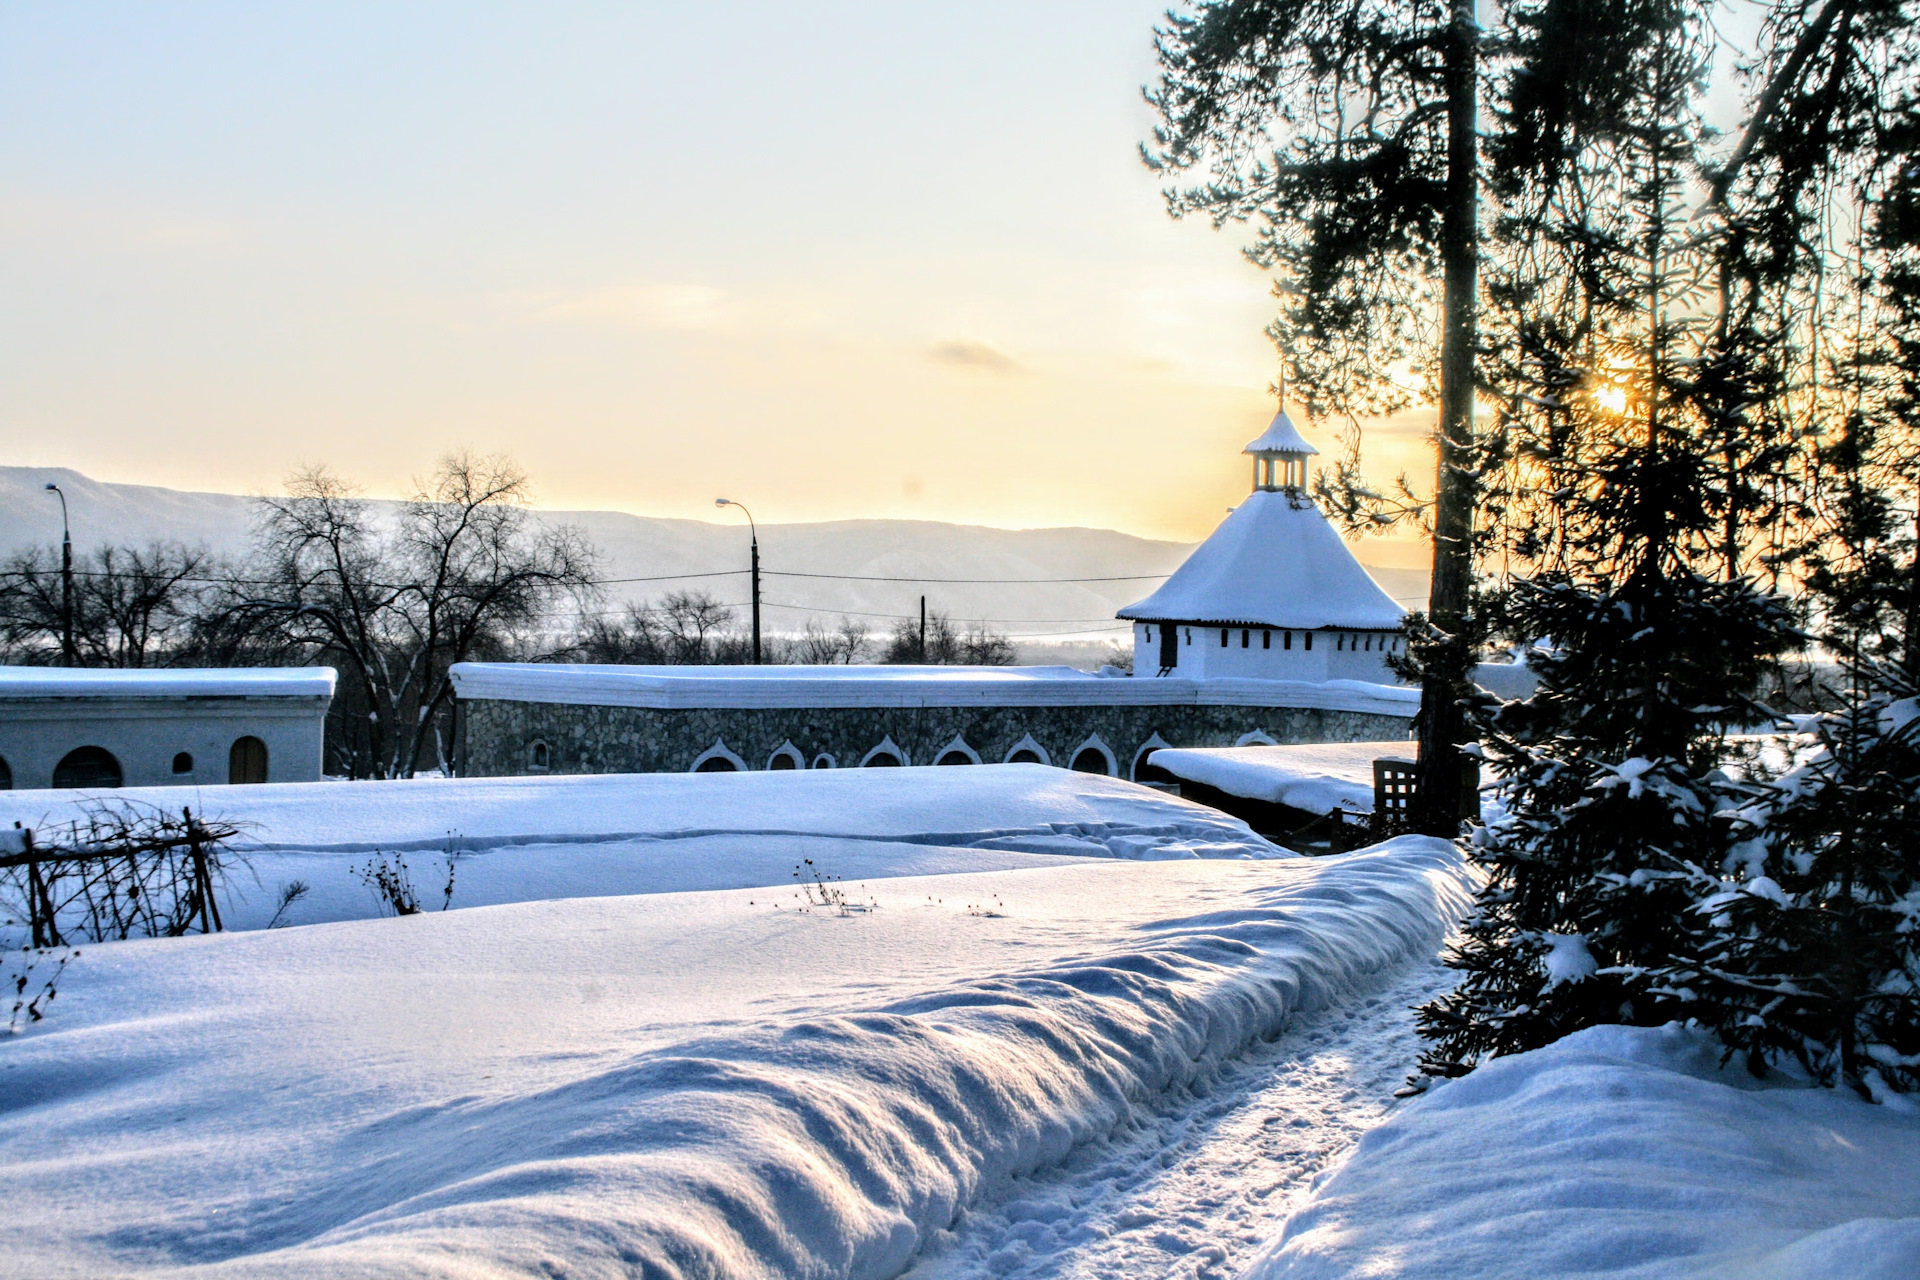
x: 1634, y: 465
x: 1812, y: 951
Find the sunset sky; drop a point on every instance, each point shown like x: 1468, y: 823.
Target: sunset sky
x: 836, y: 260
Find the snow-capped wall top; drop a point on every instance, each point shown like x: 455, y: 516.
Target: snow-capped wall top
x: 1281, y: 436
x: 1275, y: 562
x: 840, y: 686
x: 184, y: 682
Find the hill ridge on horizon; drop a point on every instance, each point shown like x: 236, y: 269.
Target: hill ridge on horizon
x: 915, y: 552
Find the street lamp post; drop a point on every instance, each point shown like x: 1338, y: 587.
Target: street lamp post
x: 66, y: 579
x: 753, y: 531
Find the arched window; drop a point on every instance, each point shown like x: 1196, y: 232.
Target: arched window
x: 247, y: 761
x: 183, y: 762
x: 6, y: 775
x: 1246, y: 635
x: 786, y: 756
x: 824, y: 761
x: 1027, y: 751
x: 1153, y: 741
x: 1286, y: 639
x: 881, y: 759
x: 957, y: 752
x: 718, y: 758
x: 1223, y: 637
x: 1092, y: 760
x: 1266, y: 639
x: 87, y: 767
x: 1309, y: 636
x: 539, y: 756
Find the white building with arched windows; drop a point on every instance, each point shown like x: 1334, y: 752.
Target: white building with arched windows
x: 88, y: 727
x: 1273, y: 594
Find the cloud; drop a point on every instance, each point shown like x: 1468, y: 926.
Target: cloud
x: 686, y: 307
x: 968, y: 354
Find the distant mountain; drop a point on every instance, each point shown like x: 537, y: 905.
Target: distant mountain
x: 904, y: 554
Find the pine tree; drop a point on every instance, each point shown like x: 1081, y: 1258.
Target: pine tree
x: 1349, y: 134
x: 1812, y: 947
x: 1614, y: 502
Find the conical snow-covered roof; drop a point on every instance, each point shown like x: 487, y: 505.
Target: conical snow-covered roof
x: 1281, y: 436
x: 1275, y: 562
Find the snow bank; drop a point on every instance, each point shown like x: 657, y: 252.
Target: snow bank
x: 1316, y: 777
x: 1619, y: 1152
x: 679, y: 1085
x: 522, y: 839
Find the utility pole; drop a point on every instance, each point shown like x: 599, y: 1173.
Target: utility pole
x: 753, y: 531
x: 68, y: 653
x: 923, y: 629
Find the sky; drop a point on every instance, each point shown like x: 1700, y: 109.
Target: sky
x: 836, y: 260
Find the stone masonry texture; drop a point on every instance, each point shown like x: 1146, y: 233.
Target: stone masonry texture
x: 499, y: 737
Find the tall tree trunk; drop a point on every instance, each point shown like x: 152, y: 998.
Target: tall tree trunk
x: 1442, y: 724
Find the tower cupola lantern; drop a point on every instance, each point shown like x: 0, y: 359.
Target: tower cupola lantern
x: 1280, y: 456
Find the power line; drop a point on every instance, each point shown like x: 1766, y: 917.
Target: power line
x: 854, y: 577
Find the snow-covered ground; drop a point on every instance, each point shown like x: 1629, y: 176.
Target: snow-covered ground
x: 1620, y: 1152
x: 1314, y: 777
x: 523, y: 839
x: 1064, y: 1027
x: 701, y: 1083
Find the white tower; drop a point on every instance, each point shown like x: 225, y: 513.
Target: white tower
x: 1273, y: 594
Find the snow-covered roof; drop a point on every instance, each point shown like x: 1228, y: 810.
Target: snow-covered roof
x: 667, y: 688
x: 1316, y: 777
x: 1281, y: 436
x: 183, y: 682
x: 1275, y: 562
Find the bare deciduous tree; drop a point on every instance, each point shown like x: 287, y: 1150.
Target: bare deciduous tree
x: 459, y: 573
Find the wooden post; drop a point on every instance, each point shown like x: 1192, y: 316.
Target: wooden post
x: 202, y: 877
x: 46, y: 932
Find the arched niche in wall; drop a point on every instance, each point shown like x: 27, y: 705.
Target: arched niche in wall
x: 888, y: 755
x: 1257, y: 738
x: 957, y: 752
x: 718, y: 758
x: 1143, y: 770
x: 825, y: 761
x: 87, y: 767
x: 1027, y: 751
x: 539, y: 756
x: 1094, y: 756
x: 786, y: 756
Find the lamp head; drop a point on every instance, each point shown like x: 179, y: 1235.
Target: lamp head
x: 52, y: 487
x: 718, y: 502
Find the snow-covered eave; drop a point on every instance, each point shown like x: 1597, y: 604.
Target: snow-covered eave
x: 724, y: 687
x: 1134, y: 613
x: 65, y: 684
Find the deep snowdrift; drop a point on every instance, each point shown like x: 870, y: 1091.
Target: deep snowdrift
x: 1619, y: 1152
x: 697, y: 1083
x: 527, y: 839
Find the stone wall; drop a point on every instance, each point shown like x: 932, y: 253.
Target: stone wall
x: 501, y: 738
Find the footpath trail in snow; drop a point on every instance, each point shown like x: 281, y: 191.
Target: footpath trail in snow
x: 1198, y: 1187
